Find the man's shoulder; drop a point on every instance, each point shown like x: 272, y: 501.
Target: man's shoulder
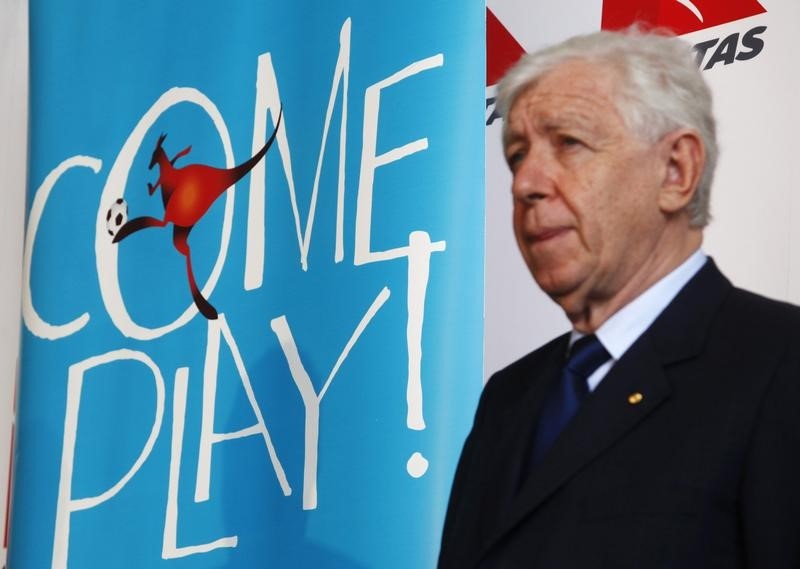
x: 710, y: 306
x: 749, y: 304
x: 729, y: 324
x: 759, y: 318
x: 709, y: 284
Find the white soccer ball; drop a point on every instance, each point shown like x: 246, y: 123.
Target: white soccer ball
x: 117, y: 216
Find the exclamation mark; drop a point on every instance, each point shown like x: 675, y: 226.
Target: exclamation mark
x: 419, y: 255
x: 417, y: 464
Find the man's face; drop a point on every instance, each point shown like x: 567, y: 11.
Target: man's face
x: 585, y: 189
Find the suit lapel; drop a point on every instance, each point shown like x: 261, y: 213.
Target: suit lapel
x: 604, y: 417
x: 507, y: 460
x: 608, y: 413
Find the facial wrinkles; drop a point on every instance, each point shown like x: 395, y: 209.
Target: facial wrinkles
x: 537, y: 123
x: 546, y: 114
x: 641, y: 236
x: 543, y: 179
x: 610, y: 151
x: 587, y: 102
x: 577, y: 165
x: 540, y: 175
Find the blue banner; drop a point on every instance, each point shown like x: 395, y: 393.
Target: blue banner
x: 253, y: 282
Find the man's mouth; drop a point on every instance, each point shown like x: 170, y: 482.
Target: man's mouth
x: 546, y: 234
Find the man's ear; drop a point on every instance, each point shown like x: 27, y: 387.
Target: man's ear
x: 684, y: 155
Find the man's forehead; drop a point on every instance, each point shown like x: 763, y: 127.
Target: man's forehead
x: 554, y: 107
x: 579, y: 83
x: 575, y: 92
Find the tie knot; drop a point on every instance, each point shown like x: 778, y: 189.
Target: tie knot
x: 586, y: 355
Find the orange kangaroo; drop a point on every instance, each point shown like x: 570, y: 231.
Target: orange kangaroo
x: 187, y: 194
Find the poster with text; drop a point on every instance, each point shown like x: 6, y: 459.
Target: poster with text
x: 252, y: 284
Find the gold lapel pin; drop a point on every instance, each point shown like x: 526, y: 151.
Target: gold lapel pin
x: 635, y: 398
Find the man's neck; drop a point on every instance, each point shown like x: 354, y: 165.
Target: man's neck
x: 596, y: 311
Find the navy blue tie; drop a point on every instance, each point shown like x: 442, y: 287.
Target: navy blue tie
x: 585, y: 356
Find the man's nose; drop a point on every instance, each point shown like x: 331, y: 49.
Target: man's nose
x: 533, y: 179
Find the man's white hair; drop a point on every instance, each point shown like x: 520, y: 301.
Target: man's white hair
x: 662, y: 90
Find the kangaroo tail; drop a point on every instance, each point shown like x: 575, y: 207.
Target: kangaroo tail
x: 239, y: 171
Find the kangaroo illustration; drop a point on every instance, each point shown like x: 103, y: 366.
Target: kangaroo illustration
x: 187, y: 194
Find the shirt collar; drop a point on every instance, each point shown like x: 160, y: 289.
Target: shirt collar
x: 624, y: 327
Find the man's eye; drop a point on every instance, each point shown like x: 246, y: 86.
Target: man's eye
x: 514, y: 158
x: 567, y: 141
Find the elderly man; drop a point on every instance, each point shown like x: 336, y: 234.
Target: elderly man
x: 663, y: 431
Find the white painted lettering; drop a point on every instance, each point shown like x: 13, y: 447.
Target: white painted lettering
x: 311, y: 399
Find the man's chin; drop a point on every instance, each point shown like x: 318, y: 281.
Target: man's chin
x: 566, y: 292
x: 557, y: 284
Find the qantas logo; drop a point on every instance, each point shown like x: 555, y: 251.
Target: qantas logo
x: 680, y: 16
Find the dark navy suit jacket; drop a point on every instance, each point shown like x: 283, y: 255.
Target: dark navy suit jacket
x: 703, y: 472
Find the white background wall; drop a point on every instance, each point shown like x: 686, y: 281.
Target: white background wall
x: 13, y: 156
x: 754, y: 236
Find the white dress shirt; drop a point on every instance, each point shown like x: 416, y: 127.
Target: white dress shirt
x: 624, y: 327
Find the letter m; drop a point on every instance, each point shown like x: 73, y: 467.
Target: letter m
x: 268, y: 103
